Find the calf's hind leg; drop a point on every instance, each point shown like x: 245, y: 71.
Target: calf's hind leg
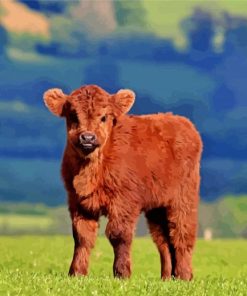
x: 158, y: 227
x: 182, y: 223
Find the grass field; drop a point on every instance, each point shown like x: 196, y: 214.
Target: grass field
x: 38, y: 265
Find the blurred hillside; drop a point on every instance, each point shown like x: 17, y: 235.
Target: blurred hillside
x: 225, y: 218
x: 188, y: 57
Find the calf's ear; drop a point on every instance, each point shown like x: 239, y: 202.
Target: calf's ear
x: 54, y: 100
x: 123, y: 100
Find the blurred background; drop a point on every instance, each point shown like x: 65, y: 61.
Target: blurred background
x: 187, y: 57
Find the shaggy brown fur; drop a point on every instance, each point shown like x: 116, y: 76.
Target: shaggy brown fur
x: 146, y: 163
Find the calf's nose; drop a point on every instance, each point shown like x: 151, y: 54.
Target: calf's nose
x: 87, y: 137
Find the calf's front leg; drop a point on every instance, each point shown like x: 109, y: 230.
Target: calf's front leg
x: 84, y: 233
x: 120, y: 235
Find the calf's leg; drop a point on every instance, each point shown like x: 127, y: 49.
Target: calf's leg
x: 182, y: 223
x: 120, y: 233
x: 84, y: 233
x: 158, y: 227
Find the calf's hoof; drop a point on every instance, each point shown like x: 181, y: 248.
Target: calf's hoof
x: 74, y: 272
x: 183, y: 274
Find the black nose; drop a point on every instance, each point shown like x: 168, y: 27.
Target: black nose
x: 87, y: 137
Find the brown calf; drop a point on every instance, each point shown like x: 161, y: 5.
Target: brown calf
x: 120, y: 165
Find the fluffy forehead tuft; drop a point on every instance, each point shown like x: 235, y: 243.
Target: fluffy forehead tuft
x: 89, y: 99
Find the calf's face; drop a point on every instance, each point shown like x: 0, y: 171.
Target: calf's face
x: 90, y: 113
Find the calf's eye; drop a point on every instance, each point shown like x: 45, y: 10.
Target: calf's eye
x: 73, y: 117
x: 103, y: 118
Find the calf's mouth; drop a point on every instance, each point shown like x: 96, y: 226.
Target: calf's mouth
x: 88, y: 147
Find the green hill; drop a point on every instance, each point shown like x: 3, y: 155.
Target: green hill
x: 162, y: 18
x: 226, y: 217
x: 165, y: 17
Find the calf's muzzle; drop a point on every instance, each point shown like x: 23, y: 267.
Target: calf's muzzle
x: 88, y: 142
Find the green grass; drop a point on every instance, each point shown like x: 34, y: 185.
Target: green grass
x: 38, y: 265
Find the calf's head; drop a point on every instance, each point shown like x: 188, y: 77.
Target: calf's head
x: 90, y: 114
